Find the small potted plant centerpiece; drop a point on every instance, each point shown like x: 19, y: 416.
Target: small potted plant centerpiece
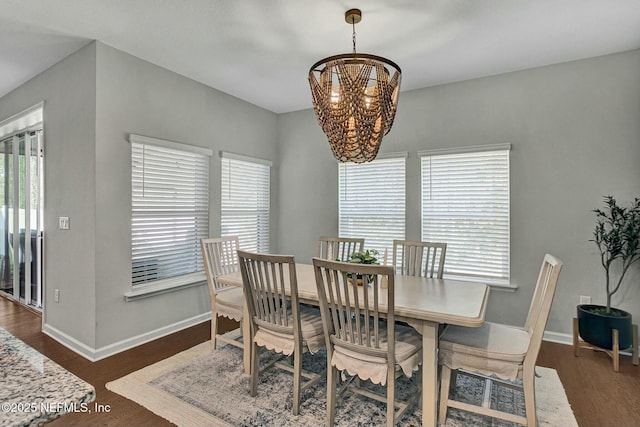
x: 367, y: 257
x: 617, y: 235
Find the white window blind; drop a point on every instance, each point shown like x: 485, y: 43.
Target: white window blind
x: 465, y: 203
x: 372, y: 201
x: 245, y: 201
x: 169, y: 208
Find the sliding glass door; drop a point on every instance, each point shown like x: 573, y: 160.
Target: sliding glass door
x: 21, y: 163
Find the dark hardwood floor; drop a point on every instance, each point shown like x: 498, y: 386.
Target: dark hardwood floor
x: 599, y: 397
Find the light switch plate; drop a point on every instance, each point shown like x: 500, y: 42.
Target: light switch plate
x: 63, y: 222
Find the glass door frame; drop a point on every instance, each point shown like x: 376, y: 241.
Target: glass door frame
x: 26, y: 247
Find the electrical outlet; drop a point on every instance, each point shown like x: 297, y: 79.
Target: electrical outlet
x: 56, y: 295
x: 585, y: 299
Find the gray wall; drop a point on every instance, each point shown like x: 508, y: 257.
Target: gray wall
x: 134, y: 96
x: 68, y: 89
x: 574, y: 129
x: 93, y: 100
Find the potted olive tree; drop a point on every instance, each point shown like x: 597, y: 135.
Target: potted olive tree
x: 617, y: 235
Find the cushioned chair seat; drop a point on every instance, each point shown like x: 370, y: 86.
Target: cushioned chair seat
x: 408, y: 355
x: 490, y: 349
x: 312, y: 334
x: 229, y: 302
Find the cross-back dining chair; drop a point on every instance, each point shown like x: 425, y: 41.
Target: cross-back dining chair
x: 220, y: 257
x: 278, y: 321
x: 339, y: 248
x: 502, y: 351
x: 419, y: 258
x: 358, y: 340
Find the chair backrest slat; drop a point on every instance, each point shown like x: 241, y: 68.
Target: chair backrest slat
x: 350, y: 311
x: 339, y: 248
x: 419, y: 258
x: 266, y: 279
x: 220, y: 257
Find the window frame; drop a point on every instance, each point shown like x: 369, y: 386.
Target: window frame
x: 146, y: 288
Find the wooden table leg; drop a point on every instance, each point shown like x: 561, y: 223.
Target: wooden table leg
x: 429, y: 373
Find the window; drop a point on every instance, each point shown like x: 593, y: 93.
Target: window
x: 169, y: 209
x: 465, y: 203
x: 245, y: 201
x: 372, y: 201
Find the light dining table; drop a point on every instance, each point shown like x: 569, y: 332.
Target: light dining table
x: 421, y: 302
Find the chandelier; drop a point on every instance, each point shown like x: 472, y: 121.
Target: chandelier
x: 355, y: 97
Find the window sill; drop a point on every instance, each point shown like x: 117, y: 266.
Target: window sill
x: 164, y: 286
x: 502, y: 286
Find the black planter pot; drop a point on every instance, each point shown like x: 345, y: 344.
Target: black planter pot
x: 596, y: 328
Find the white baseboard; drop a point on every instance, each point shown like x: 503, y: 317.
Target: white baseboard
x: 70, y: 342
x: 95, y: 354
x: 558, y: 337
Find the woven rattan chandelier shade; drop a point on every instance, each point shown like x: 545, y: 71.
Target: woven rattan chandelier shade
x: 355, y: 97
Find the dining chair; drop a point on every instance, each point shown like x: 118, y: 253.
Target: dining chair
x: 358, y: 339
x: 278, y: 321
x: 505, y: 352
x: 220, y: 257
x: 339, y: 248
x: 419, y: 258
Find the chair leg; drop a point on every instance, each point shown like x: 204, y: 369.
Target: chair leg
x: 528, y: 385
x: 332, y: 383
x: 297, y: 370
x: 454, y: 378
x: 445, y: 383
x: 214, y: 328
x: 419, y: 381
x: 357, y: 382
x: 255, y: 367
x: 391, y: 397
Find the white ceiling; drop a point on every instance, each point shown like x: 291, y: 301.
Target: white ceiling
x: 261, y: 50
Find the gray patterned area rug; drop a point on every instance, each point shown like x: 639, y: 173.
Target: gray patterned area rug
x: 201, y: 387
